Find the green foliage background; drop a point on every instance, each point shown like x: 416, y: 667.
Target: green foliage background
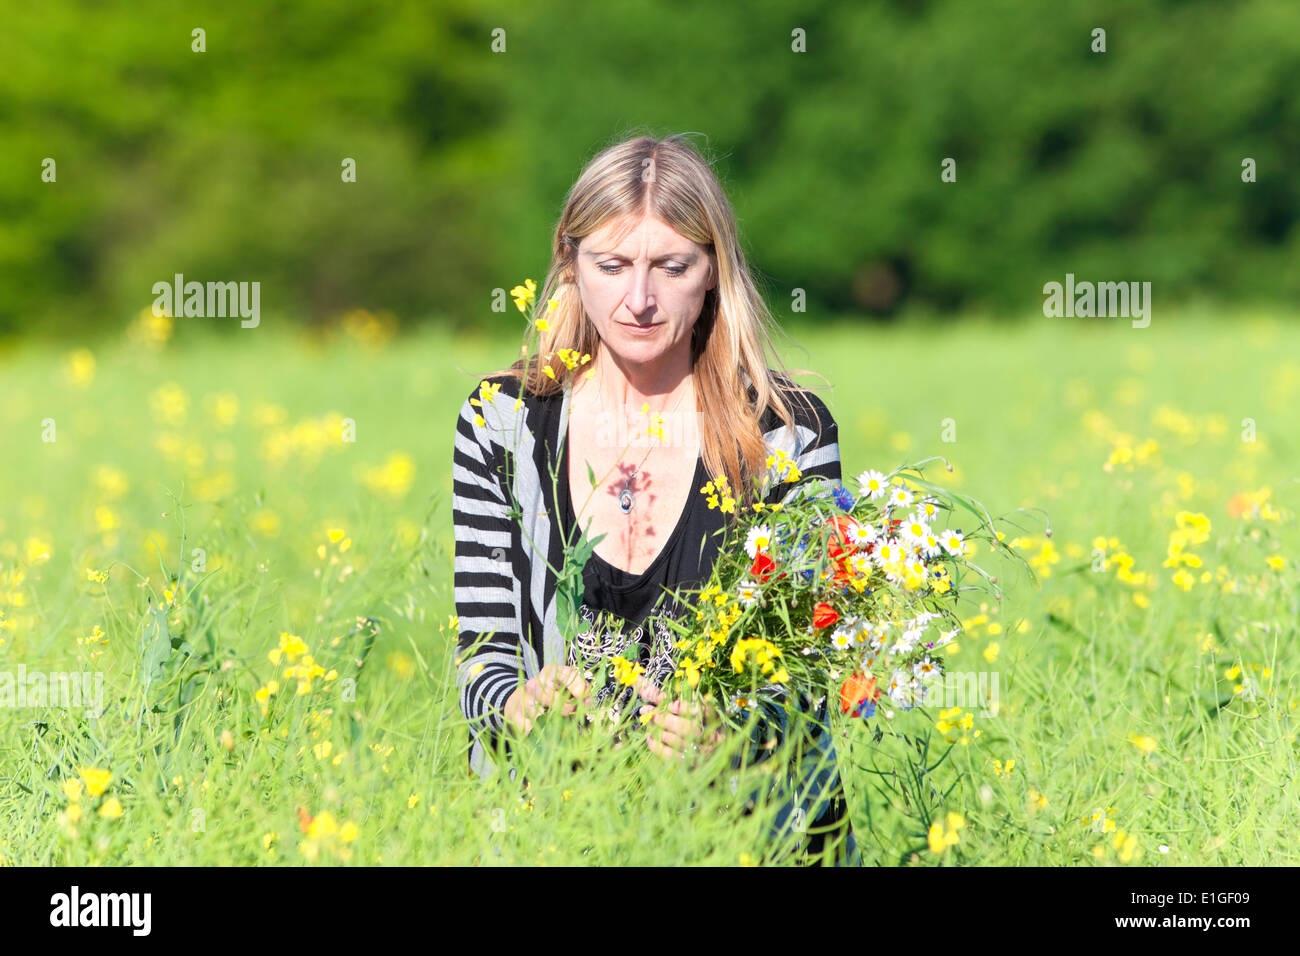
x: 225, y: 164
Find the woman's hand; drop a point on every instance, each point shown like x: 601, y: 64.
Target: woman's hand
x: 679, y: 728
x: 531, y: 698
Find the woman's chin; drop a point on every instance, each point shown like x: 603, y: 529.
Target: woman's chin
x: 635, y: 350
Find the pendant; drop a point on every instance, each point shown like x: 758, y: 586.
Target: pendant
x: 626, y: 501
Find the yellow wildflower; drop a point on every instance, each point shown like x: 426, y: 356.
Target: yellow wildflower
x: 95, y: 779
x: 1143, y: 743
x: 626, y: 672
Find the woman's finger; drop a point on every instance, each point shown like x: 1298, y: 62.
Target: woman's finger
x: 667, y: 744
x: 539, y: 691
x: 648, y: 691
x: 546, y: 688
x: 520, y: 716
x: 573, y: 681
x: 674, y: 740
x: 552, y: 682
x: 656, y: 747
x: 543, y: 685
x: 684, y: 707
x: 684, y: 727
x: 531, y: 706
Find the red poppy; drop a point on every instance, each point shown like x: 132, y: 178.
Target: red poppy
x: 842, y: 536
x: 856, y: 689
x: 824, y: 615
x: 762, y: 567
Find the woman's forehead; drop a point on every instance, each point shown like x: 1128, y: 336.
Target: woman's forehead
x: 628, y: 234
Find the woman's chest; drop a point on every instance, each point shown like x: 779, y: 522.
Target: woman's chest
x: 641, y: 495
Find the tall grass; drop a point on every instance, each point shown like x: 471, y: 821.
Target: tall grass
x: 1148, y: 724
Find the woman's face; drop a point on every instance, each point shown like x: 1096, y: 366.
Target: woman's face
x: 644, y: 292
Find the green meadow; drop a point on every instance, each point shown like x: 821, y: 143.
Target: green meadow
x: 248, y: 539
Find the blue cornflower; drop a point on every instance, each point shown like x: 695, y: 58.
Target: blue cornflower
x: 843, y: 497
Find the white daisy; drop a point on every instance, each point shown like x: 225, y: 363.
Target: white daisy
x: 747, y: 591
x: 905, y: 642
x: 888, y: 552
x: 758, y: 539
x: 914, y: 530
x: 930, y: 546
x: 899, y: 497
x: 878, y: 638
x: 925, y: 669
x: 872, y: 484
x: 947, y: 636
x: 841, y: 640
x: 862, y: 534
x: 900, y: 686
x: 951, y: 541
x: 927, y: 510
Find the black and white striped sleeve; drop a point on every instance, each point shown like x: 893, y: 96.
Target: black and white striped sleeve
x: 490, y: 662
x: 813, y: 444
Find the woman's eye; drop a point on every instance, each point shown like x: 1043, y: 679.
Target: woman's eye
x: 614, y: 269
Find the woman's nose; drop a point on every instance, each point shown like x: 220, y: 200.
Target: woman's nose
x: 640, y: 290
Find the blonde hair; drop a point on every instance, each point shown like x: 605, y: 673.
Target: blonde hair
x: 734, y: 332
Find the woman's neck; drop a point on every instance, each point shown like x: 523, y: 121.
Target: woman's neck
x: 621, y: 386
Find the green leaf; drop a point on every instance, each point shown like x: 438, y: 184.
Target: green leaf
x: 155, y: 646
x: 681, y: 629
x: 568, y: 591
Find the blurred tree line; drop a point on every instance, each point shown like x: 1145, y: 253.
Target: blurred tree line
x: 226, y: 164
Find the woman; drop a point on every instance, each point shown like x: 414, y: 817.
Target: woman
x: 649, y: 281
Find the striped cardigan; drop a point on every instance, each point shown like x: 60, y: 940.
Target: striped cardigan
x: 503, y: 508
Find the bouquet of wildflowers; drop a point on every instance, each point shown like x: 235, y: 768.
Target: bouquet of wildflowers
x: 833, y: 592
x: 839, y: 593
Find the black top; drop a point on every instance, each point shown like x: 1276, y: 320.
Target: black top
x: 635, y: 605
x: 504, y: 505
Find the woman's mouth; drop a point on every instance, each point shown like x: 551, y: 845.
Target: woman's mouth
x: 635, y: 329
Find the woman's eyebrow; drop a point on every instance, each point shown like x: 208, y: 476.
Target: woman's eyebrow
x: 688, y: 257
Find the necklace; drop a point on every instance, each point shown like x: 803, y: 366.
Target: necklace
x: 627, y: 500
